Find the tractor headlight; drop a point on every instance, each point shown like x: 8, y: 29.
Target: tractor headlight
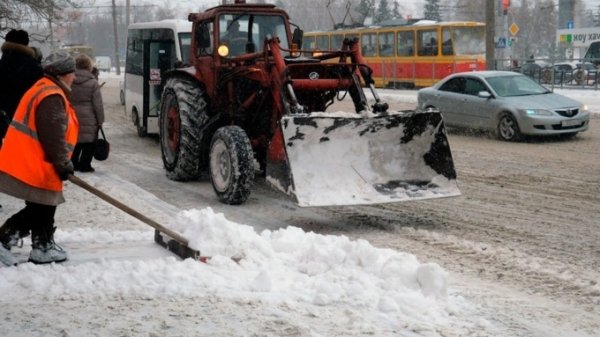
x: 223, y: 50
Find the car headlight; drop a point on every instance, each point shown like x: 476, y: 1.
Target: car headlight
x: 584, y: 107
x: 538, y: 112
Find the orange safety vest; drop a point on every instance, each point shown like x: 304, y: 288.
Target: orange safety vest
x: 22, y: 155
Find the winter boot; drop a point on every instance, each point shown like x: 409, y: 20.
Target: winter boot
x: 11, y: 234
x: 6, y: 257
x: 44, y: 249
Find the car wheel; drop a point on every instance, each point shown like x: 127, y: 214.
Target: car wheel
x: 579, y: 76
x: 139, y: 125
x: 508, y: 129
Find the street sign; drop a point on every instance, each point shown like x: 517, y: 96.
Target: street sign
x: 501, y: 43
x: 513, y: 29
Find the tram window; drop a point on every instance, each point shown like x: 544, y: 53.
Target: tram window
x: 468, y: 40
x: 427, y: 40
x: 309, y: 43
x: 406, y: 42
x: 447, y: 42
x: 323, y: 42
x: 336, y: 41
x: 386, y: 44
x: 368, y: 43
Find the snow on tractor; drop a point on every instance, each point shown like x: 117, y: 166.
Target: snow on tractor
x: 251, y: 102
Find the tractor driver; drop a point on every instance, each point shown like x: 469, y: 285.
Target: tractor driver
x: 235, y: 39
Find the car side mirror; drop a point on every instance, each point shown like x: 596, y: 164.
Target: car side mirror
x: 484, y: 94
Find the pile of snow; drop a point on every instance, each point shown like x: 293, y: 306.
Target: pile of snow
x: 286, y: 267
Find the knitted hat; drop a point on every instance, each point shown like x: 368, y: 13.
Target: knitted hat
x: 59, y: 63
x: 18, y: 36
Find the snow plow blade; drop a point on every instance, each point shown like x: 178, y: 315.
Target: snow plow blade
x: 348, y: 159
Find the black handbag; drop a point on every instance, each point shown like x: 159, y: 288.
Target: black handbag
x: 102, y: 147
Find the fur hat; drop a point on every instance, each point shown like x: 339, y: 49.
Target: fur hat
x: 82, y: 61
x: 37, y: 54
x: 18, y: 36
x: 59, y: 63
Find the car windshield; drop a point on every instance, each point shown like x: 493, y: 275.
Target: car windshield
x: 517, y: 85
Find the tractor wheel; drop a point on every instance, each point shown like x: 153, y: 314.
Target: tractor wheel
x: 183, y: 111
x: 231, y: 165
x: 508, y: 128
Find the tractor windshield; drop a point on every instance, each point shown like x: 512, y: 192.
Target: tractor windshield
x: 246, y: 33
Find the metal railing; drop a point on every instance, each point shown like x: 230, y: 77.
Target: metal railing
x: 555, y: 73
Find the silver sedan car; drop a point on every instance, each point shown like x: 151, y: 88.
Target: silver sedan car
x: 509, y: 103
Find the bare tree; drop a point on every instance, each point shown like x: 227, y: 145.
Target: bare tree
x: 432, y: 10
x: 537, y: 29
x: 14, y: 13
x: 166, y: 11
x: 313, y: 15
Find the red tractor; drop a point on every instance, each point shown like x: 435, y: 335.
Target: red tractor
x: 252, y: 101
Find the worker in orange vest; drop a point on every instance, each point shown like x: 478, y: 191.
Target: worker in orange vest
x: 35, y: 159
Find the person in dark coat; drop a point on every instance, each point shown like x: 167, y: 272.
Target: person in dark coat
x: 19, y: 70
x: 86, y: 98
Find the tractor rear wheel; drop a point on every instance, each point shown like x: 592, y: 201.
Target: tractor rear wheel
x: 182, y: 113
x: 231, y: 165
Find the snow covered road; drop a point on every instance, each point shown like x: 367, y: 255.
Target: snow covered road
x: 518, y: 254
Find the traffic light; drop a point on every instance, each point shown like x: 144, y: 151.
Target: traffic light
x: 505, y: 5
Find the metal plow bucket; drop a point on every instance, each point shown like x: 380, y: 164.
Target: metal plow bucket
x: 349, y: 159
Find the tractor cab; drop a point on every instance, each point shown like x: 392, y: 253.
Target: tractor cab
x: 240, y: 34
x: 235, y: 30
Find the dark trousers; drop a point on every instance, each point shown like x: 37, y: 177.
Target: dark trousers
x: 82, y: 156
x: 37, y: 218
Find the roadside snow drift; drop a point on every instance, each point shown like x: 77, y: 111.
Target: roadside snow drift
x: 283, y: 267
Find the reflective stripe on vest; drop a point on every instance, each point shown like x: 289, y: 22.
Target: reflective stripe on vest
x: 23, y: 126
x: 22, y: 155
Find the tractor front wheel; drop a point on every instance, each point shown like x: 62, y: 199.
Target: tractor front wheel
x: 231, y: 165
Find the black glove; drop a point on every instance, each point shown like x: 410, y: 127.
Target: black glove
x: 65, y: 171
